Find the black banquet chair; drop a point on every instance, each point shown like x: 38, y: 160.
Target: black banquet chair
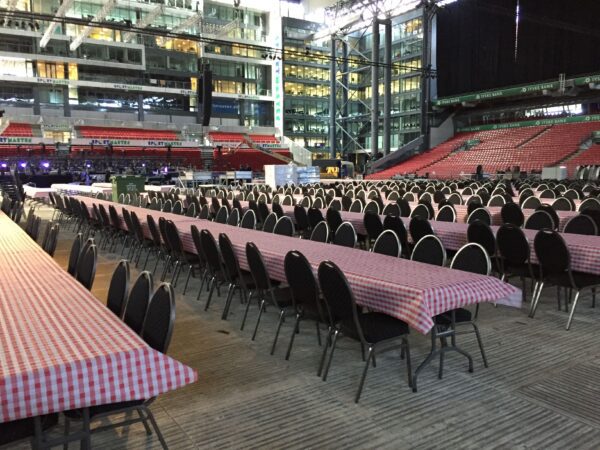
x: 157, y: 329
x: 270, y: 222
x: 581, y: 224
x: 512, y: 213
x: 419, y: 227
x: 388, y: 244
x: 117, y: 289
x: 554, y: 261
x: 305, y: 294
x: 480, y: 214
x: 320, y: 232
x: 376, y: 332
x: 345, y: 235
x: 514, y: 254
x: 429, y: 250
x: 86, y: 267
x: 137, y: 302
x: 248, y: 220
x: 284, y: 226
x: 539, y: 220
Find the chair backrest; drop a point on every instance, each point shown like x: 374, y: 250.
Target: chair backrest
x: 419, y: 227
x: 552, y: 253
x: 420, y: 210
x: 446, y: 214
x: 482, y: 234
x: 338, y: 295
x: 562, y: 204
x: 230, y: 260
x: 373, y: 225
x: 372, y: 206
x: 320, y: 232
x: 168, y: 206
x: 455, y: 198
x: 222, y: 215
x: 334, y: 218
x: 74, y: 254
x: 175, y: 243
x: 391, y: 209
x: 52, y: 240
x: 512, y: 245
x: 117, y: 289
x: 318, y: 203
x: 539, y: 220
x: 345, y: 235
x: 301, y: 218
x: 314, y: 216
x: 481, y: 214
x: 511, y: 213
x: 581, y: 224
x: 473, y: 258
x: 257, y: 266
x: 496, y: 200
x: 552, y: 213
x: 388, y: 244
x: 397, y: 226
x: 211, y: 251
x: 589, y: 203
x: 531, y: 203
x: 356, y: 205
x: 270, y: 222
x: 159, y: 319
x: 137, y: 301
x: 177, y: 207
x: 263, y: 211
x: 86, y: 267
x: 234, y: 217
x: 204, y: 212
x: 284, y: 226
x: 248, y: 220
x: 302, y: 282
x: 405, y: 210
x: 430, y: 250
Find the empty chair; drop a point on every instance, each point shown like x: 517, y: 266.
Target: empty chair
x: 270, y: 222
x: 284, y: 226
x: 420, y: 210
x: 214, y: 264
x: 177, y: 207
x: 318, y: 203
x: 397, y: 226
x: 117, y: 289
x: 581, y: 224
x: 265, y: 291
x: 391, y: 209
x: 168, y: 206
x: 222, y: 215
x: 539, y: 220
x: 234, y: 217
x: 496, y: 200
x: 371, y: 206
x: 320, y: 233
x: 204, y: 212
x: 156, y: 331
x: 388, y: 244
x: 550, y: 210
x: 455, y: 198
x: 376, y: 332
x: 404, y: 208
x: 430, y: 250
x: 446, y: 214
x: 137, y: 302
x: 562, y: 204
x: 334, y: 219
x: 356, y: 206
x: 482, y: 234
x: 589, y: 203
x: 277, y: 209
x: 304, y: 290
x: 554, y: 260
x: 74, y: 254
x: 511, y: 213
x: 480, y: 214
x: 547, y: 193
x: 248, y: 220
x: 514, y: 253
x: 86, y: 267
x: 531, y: 203
x: 345, y: 235
x: 238, y: 280
x: 314, y: 217
x: 419, y: 228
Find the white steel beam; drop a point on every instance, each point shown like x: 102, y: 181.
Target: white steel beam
x: 62, y: 10
x: 108, y: 6
x: 146, y: 21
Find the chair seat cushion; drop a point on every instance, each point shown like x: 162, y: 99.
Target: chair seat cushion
x: 376, y: 327
x: 77, y: 414
x: 461, y: 315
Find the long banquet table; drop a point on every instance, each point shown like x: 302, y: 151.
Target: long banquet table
x: 60, y: 348
x: 408, y: 290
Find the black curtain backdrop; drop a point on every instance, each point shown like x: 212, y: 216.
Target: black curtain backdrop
x: 476, y: 42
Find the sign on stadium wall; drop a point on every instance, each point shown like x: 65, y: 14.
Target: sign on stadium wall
x: 23, y: 140
x: 135, y: 143
x: 532, y: 123
x: 513, y: 91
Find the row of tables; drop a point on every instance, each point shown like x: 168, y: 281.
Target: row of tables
x: 61, y: 348
x: 408, y: 290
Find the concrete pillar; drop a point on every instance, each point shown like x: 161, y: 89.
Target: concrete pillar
x: 332, y: 99
x: 387, y: 85
x: 375, y: 90
x: 345, y: 83
x: 140, y: 107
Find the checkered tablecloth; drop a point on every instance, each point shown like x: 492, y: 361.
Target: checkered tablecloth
x: 407, y: 290
x: 60, y: 348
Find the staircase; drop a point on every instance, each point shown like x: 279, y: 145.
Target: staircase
x: 255, y: 146
x: 206, y: 156
x: 582, y: 148
x: 534, y: 137
x: 4, y: 123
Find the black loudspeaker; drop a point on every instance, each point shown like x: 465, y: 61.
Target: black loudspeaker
x: 207, y: 89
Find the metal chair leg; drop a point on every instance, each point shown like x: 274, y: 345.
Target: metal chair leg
x: 156, y: 429
x: 406, y: 352
x: 535, y: 298
x: 324, y: 353
x: 144, y: 421
x: 370, y: 354
x: 212, y: 283
x: 247, y: 308
x: 294, y: 331
x: 333, y: 342
x: 260, y: 311
x: 281, y: 318
x: 573, y: 306
x: 230, y: 292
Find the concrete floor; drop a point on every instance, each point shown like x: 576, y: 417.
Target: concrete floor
x: 540, y: 391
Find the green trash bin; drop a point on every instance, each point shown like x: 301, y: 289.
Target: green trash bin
x: 127, y: 184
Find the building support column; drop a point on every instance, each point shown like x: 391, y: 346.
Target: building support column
x: 375, y: 90
x: 345, y: 84
x: 140, y: 107
x: 387, y: 88
x: 332, y: 100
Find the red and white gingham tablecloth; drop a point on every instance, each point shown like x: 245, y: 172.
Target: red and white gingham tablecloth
x: 60, y: 348
x: 410, y: 291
